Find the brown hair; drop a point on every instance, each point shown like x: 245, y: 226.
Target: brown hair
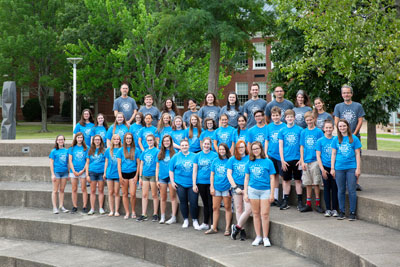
x: 215, y: 102
x: 160, y: 125
x: 149, y: 96
x: 237, y: 154
x: 112, y: 143
x: 56, y: 144
x: 163, y: 150
x: 262, y: 155
x: 174, y: 108
x: 349, y: 134
x: 315, y: 110
x: 173, y: 122
x: 245, y: 119
x: 198, y: 126
x: 141, y: 118
x: 131, y: 154
x: 276, y: 110
x: 92, y: 148
x: 207, y: 120
x: 289, y: 112
x: 207, y: 139
x: 96, y: 123
x: 82, y: 120
x: 228, y: 152
x: 116, y: 123
x: 306, y: 98
x: 75, y: 142
x: 154, y: 139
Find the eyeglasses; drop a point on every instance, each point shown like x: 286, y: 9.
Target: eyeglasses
x: 257, y: 148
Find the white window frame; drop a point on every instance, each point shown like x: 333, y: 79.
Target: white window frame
x: 261, y: 57
x: 239, y: 90
x: 176, y: 99
x: 51, y: 94
x: 263, y: 90
x: 242, y: 64
x: 22, y: 91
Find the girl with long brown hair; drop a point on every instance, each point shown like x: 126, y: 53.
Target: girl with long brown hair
x: 193, y: 133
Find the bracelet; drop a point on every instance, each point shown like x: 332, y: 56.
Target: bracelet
x: 234, y: 188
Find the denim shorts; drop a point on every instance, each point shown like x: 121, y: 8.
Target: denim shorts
x: 258, y: 194
x: 226, y: 193
x: 94, y: 176
x: 72, y: 175
x: 234, y: 191
x: 60, y: 175
x: 164, y: 180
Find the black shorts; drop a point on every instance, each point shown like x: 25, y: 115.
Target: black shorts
x: 292, y: 171
x: 278, y: 166
x: 128, y: 175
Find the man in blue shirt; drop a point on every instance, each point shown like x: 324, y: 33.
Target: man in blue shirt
x: 280, y: 102
x: 125, y: 104
x: 150, y: 109
x: 252, y: 105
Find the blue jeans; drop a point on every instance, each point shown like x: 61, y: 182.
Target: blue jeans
x: 187, y: 195
x: 343, y: 178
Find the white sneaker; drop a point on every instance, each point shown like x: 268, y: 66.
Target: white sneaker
x: 171, y: 221
x: 335, y: 213
x: 328, y: 213
x: 257, y: 241
x: 204, y: 226
x: 162, y: 220
x: 266, y: 242
x: 185, y: 223
x: 196, y: 225
x: 55, y: 211
x: 64, y: 209
x: 101, y: 211
x: 91, y: 212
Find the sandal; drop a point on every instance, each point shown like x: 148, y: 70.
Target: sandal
x: 133, y: 216
x: 211, y: 231
x: 116, y: 214
x: 227, y: 233
x: 126, y: 217
x: 111, y: 214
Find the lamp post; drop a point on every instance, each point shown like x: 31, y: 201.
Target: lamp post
x: 74, y: 61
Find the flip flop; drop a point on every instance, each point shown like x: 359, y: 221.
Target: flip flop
x: 111, y: 214
x: 211, y: 231
x: 133, y: 216
x: 227, y: 233
x: 116, y: 214
x: 126, y: 217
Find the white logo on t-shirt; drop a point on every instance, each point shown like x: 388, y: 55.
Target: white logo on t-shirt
x: 126, y: 107
x: 311, y: 140
x: 349, y: 116
x: 212, y: 115
x: 63, y: 158
x: 257, y: 171
x: 187, y: 166
x: 204, y: 164
x: 220, y: 170
x: 148, y: 159
x: 291, y: 139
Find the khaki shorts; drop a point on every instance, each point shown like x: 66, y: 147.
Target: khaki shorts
x: 149, y: 179
x: 312, y: 176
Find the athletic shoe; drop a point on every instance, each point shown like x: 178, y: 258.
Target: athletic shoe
x: 358, y: 187
x: 64, y: 209
x: 234, y: 231
x: 319, y: 209
x: 352, y: 216
x: 85, y: 210
x: 55, y: 211
x: 300, y: 206
x: 257, y: 241
x: 101, y: 211
x: 243, y: 235
x: 142, y: 218
x: 335, y: 213
x: 171, y: 221
x: 275, y: 203
x: 266, y: 242
x: 154, y: 218
x: 306, y: 208
x: 74, y: 210
x: 328, y: 213
x: 196, y: 225
x: 284, y: 205
x: 162, y: 220
x: 91, y: 212
x: 204, y: 226
x: 185, y: 223
x: 341, y: 216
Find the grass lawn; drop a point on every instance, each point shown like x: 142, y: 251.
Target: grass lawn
x: 390, y: 136
x: 31, y: 131
x: 383, y: 145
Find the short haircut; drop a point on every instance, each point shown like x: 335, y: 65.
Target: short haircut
x: 276, y: 110
x: 346, y: 86
x: 289, y: 112
x: 149, y: 96
x: 329, y: 121
x: 279, y: 86
x: 256, y: 84
x: 259, y: 111
x: 309, y: 114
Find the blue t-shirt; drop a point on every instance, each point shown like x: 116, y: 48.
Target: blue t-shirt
x: 258, y: 134
x: 322, y: 118
x: 178, y: 136
x: 96, y: 161
x: 308, y: 139
x: 273, y: 140
x: 252, y: 106
x: 134, y: 129
x: 260, y: 171
x: 100, y: 130
x: 182, y: 167
x: 194, y: 142
x: 164, y: 131
x: 112, y: 164
x: 86, y: 130
x: 284, y: 105
x: 224, y: 135
x: 242, y: 136
x: 186, y: 116
x: 125, y: 105
x: 233, y: 115
x: 291, y: 142
x: 351, y: 113
x: 163, y: 169
x: 209, y: 112
x: 324, y: 145
x: 345, y: 152
x: 78, y: 157
x: 121, y: 130
x: 149, y: 158
x: 203, y: 162
x: 238, y: 168
x: 299, y: 117
x: 144, y: 132
x: 155, y: 113
x: 210, y: 134
x: 60, y: 158
x: 128, y: 165
x: 219, y: 168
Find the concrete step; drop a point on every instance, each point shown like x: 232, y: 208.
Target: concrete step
x: 17, y: 252
x: 27, y: 169
x: 168, y: 245
x: 380, y: 162
x: 28, y: 148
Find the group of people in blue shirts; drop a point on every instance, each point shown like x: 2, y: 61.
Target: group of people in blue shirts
x: 189, y: 156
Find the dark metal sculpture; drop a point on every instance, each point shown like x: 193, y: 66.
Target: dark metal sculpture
x: 9, y: 108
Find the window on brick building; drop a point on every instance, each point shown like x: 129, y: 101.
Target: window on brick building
x: 179, y: 102
x: 242, y: 62
x: 259, y: 60
x: 263, y: 90
x: 242, y: 90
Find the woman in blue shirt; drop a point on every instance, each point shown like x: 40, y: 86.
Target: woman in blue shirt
x: 77, y: 164
x: 192, y: 133
x: 224, y: 134
x: 167, y: 151
x: 346, y: 167
x: 180, y: 173
x: 241, y: 132
x: 219, y: 189
x: 209, y: 128
x: 145, y: 131
x: 201, y: 180
x: 147, y: 178
x: 128, y: 162
x: 258, y: 182
x: 178, y: 132
x: 85, y: 125
x: 135, y: 128
x: 119, y: 127
x: 236, y: 173
x: 59, y: 173
x: 100, y: 127
x: 111, y: 174
x: 232, y: 109
x: 210, y: 108
x: 170, y: 107
x: 95, y: 160
x: 320, y: 114
x: 302, y: 105
x: 164, y: 127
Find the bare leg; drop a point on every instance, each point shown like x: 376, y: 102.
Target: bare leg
x: 101, y: 194
x: 117, y: 197
x: 84, y: 192
x: 145, y: 196
x: 56, y: 185
x: 154, y: 194
x: 74, y: 182
x: 216, y: 206
x: 299, y: 188
x: 255, y: 208
x: 265, y: 207
x: 245, y: 215
x: 93, y: 185
x: 174, y: 200
x: 228, y: 212
x: 132, y: 191
x: 163, y: 202
x: 125, y: 197
x: 63, y: 184
x: 238, y: 200
x: 111, y: 200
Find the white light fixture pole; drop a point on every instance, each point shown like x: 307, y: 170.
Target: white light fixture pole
x: 74, y: 61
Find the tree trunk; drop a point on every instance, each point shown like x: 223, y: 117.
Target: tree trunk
x: 213, y: 75
x: 371, y: 140
x: 398, y: 8
x: 43, y: 106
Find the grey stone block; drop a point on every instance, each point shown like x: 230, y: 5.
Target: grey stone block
x: 9, y: 107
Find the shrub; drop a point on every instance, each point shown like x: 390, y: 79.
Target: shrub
x: 32, y: 110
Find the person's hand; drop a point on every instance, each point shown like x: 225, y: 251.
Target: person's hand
x: 76, y: 173
x: 195, y: 188
x: 304, y: 166
x: 212, y: 191
x: 285, y: 166
x: 324, y: 174
x: 140, y: 182
x: 104, y: 176
x: 333, y: 173
x: 88, y: 178
x: 271, y: 199
x: 358, y: 173
x: 53, y: 178
x: 246, y: 198
x: 174, y: 185
x: 158, y: 184
x: 238, y: 191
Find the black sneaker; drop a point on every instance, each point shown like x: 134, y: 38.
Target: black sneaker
x: 358, y: 187
x: 243, y: 235
x: 306, y: 208
x: 74, y: 210
x: 300, y: 206
x: 85, y: 210
x: 154, y: 218
x: 284, y: 205
x: 141, y: 218
x: 275, y: 203
x: 341, y: 216
x: 319, y: 209
x: 234, y: 231
x: 352, y: 216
